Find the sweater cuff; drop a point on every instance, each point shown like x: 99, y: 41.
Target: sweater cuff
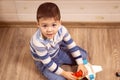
x: 79, y: 61
x: 59, y: 71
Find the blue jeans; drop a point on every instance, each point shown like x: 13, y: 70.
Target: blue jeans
x: 62, y: 58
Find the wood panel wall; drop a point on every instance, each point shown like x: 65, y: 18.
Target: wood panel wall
x: 71, y: 10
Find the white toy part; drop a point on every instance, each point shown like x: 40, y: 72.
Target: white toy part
x: 92, y: 70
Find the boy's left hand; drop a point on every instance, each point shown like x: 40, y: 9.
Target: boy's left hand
x: 83, y: 69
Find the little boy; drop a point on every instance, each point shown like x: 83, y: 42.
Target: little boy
x: 52, y: 46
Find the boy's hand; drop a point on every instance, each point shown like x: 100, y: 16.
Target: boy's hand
x: 68, y: 75
x: 83, y: 69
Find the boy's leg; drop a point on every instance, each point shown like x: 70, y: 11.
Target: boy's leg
x: 66, y: 58
x: 63, y: 57
x: 48, y: 74
x: 52, y: 76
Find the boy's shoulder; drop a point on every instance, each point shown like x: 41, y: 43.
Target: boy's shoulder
x: 36, y: 39
x: 36, y: 35
x: 62, y: 29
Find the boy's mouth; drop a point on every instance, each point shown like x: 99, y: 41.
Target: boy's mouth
x: 50, y: 35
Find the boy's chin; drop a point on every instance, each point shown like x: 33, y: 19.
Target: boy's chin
x: 50, y: 37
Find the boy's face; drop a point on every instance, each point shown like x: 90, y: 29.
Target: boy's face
x: 48, y: 27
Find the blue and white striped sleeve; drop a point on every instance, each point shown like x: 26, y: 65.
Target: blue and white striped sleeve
x: 73, y: 48
x: 40, y: 53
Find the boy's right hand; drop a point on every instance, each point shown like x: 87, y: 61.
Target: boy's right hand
x: 68, y: 75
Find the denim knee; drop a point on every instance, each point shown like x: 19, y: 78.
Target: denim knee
x: 52, y: 76
x: 56, y: 78
x: 47, y: 73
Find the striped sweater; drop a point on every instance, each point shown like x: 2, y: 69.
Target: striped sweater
x: 44, y: 50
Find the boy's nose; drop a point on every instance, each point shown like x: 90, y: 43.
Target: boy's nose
x: 49, y: 29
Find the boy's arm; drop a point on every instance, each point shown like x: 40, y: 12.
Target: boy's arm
x: 73, y: 48
x: 39, y: 53
x: 48, y: 62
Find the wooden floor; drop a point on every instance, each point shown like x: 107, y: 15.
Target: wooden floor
x: 102, y: 45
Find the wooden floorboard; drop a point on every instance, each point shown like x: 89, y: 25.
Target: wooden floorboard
x: 102, y: 45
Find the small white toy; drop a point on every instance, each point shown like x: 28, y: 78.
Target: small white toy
x: 92, y: 70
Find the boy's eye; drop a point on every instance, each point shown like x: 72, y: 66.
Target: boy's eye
x: 54, y: 25
x: 44, y: 25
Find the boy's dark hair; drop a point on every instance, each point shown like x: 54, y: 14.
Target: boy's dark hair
x: 48, y: 10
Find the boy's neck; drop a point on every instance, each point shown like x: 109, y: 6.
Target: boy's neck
x: 45, y: 38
